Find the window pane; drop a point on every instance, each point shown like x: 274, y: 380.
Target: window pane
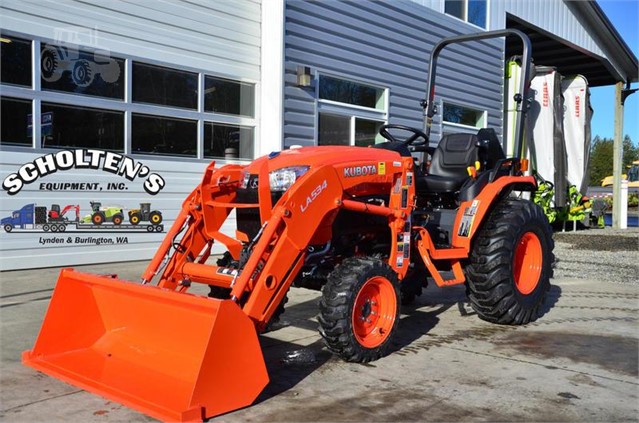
x: 367, y: 132
x: 454, y: 8
x: 225, y: 96
x: 71, y: 70
x: 158, y: 135
x: 15, y: 122
x: 477, y: 12
x: 463, y: 115
x: 15, y: 56
x: 164, y: 86
x: 351, y: 92
x: 334, y: 130
x: 228, y: 141
x: 68, y: 126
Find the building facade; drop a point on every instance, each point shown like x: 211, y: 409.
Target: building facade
x: 127, y: 103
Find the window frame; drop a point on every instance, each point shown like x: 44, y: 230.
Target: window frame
x: 465, y: 17
x: 349, y: 110
x: 37, y: 95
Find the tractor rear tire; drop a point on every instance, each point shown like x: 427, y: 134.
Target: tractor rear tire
x: 117, y: 219
x: 511, y: 264
x: 155, y: 217
x: 359, y: 309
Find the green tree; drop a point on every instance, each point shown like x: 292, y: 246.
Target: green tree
x: 601, y: 154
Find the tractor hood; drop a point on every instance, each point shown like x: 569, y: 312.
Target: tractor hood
x: 322, y: 156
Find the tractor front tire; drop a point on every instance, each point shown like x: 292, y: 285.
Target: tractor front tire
x: 359, y: 309
x: 135, y: 218
x: 511, y: 264
x: 98, y: 218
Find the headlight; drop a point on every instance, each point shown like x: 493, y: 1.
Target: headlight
x: 283, y: 179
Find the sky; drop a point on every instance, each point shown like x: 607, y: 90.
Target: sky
x: 624, y: 15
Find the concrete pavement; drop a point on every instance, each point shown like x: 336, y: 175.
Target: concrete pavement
x: 579, y: 362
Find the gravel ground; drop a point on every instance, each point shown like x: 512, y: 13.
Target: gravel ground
x: 609, y: 255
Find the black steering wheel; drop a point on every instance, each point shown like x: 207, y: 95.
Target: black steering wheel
x: 383, y: 131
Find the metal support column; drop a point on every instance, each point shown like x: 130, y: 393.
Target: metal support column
x: 617, y: 158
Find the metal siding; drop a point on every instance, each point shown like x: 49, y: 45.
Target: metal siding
x: 386, y: 44
x: 554, y: 16
x: 219, y: 36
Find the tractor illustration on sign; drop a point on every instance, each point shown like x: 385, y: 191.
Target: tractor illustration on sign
x: 84, y: 67
x: 144, y: 213
x: 100, y: 214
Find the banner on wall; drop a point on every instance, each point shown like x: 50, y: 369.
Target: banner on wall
x: 64, y: 201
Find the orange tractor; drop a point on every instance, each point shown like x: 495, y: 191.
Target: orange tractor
x: 367, y: 226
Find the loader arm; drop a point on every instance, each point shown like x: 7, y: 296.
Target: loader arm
x: 278, y: 252
x: 202, y: 215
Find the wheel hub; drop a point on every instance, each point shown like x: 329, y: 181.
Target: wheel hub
x: 527, y: 263
x: 374, y: 312
x: 366, y: 309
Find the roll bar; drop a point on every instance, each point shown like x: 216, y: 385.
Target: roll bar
x: 522, y: 106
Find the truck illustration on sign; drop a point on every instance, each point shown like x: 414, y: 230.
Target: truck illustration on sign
x: 32, y: 216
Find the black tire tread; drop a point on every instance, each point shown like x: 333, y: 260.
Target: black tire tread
x: 491, y: 289
x: 336, y: 308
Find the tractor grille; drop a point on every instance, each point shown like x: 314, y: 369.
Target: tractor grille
x: 248, y: 220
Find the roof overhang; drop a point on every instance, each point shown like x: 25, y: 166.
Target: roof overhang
x: 570, y: 59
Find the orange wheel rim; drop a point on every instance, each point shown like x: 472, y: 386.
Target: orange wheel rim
x: 374, y: 312
x: 528, y: 263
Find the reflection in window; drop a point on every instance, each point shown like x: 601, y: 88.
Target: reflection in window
x: 477, y: 12
x: 159, y: 135
x: 472, y: 11
x: 15, y: 122
x: 367, y: 132
x: 164, y: 86
x: 65, y: 68
x: 225, y: 96
x: 68, y: 126
x: 351, y: 92
x: 15, y: 57
x: 228, y: 141
x: 463, y: 115
x: 454, y: 8
x: 334, y: 130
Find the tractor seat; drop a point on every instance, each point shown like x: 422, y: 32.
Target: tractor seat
x: 449, y: 164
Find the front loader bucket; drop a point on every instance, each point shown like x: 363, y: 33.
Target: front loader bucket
x: 173, y: 356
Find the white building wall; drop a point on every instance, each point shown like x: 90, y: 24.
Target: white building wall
x: 220, y: 38
x: 217, y: 36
